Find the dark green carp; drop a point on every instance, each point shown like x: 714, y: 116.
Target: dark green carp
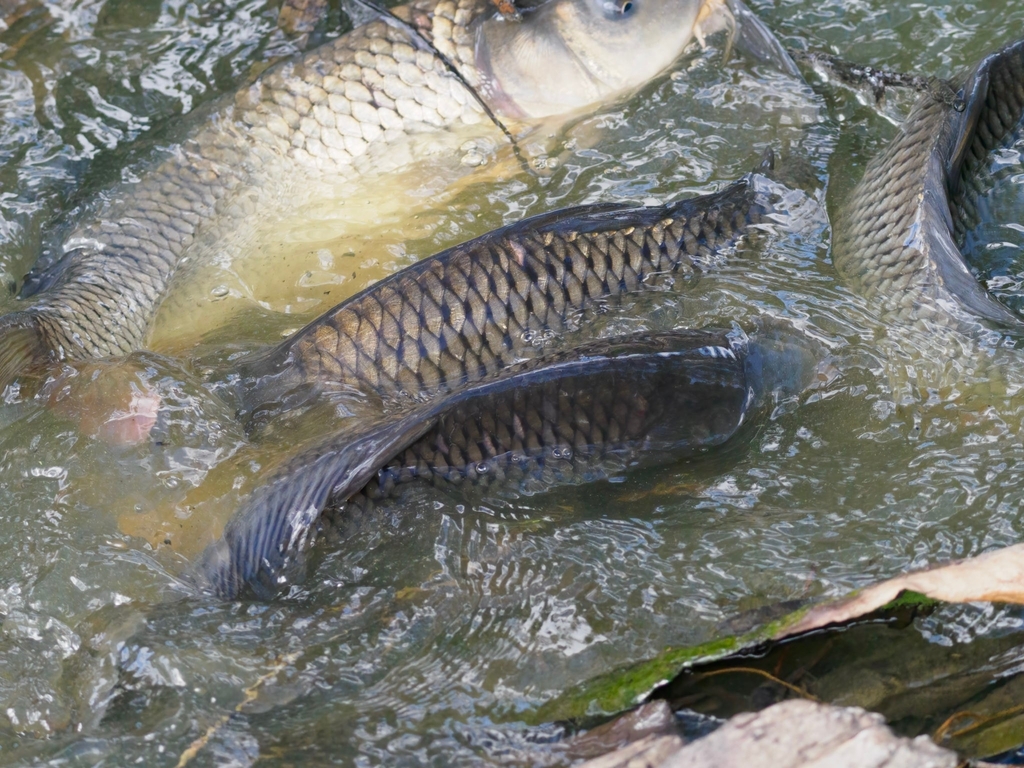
x: 345, y: 108
x: 571, y: 417
x: 467, y: 312
x: 895, y: 239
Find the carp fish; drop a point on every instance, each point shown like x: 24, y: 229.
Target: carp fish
x: 896, y: 237
x: 333, y: 113
x: 465, y: 313
x: 569, y: 417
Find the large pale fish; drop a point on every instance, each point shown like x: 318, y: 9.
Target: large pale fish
x: 334, y: 113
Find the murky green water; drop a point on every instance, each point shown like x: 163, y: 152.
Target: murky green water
x: 434, y: 638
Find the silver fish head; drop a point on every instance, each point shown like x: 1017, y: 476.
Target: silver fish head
x: 568, y: 54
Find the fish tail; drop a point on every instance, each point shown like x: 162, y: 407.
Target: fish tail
x: 265, y: 543
x: 22, y: 345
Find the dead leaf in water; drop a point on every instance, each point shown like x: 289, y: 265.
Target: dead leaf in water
x: 994, y: 577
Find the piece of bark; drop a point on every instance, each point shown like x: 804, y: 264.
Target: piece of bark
x: 803, y: 734
x: 793, y: 734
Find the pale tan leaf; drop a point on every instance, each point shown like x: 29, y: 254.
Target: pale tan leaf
x: 995, y: 577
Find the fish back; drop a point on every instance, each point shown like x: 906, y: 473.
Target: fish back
x: 894, y: 240
x: 471, y: 310
x: 550, y: 420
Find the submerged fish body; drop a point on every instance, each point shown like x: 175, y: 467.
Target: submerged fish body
x: 895, y: 239
x: 570, y: 417
x: 988, y: 226
x: 583, y: 417
x: 331, y: 113
x: 467, y: 312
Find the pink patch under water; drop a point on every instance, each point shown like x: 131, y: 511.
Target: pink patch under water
x: 133, y: 425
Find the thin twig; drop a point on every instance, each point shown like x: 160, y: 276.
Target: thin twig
x: 251, y: 693
x: 940, y: 732
x: 754, y: 671
x: 979, y: 722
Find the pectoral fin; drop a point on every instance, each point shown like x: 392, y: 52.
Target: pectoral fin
x: 265, y: 544
x: 745, y: 31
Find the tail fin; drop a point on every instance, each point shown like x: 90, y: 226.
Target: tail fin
x: 21, y: 346
x: 265, y: 543
x: 767, y: 164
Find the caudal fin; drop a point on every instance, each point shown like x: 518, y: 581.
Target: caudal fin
x: 21, y: 346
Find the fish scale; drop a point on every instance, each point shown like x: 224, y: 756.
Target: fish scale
x: 320, y: 114
x: 1002, y: 122
x: 570, y: 416
x: 343, y: 110
x: 505, y: 442
x: 895, y: 238
x: 465, y: 313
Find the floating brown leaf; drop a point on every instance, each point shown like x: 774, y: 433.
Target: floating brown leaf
x: 996, y: 577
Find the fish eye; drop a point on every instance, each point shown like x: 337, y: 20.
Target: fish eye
x: 618, y: 9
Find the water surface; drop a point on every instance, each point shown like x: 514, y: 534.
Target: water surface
x: 432, y: 638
